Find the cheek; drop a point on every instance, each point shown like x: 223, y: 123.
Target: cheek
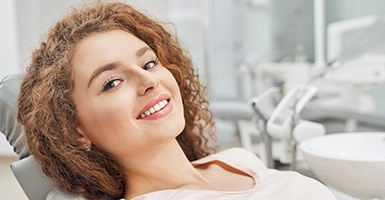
x: 171, y: 82
x: 99, y: 120
x: 109, y: 129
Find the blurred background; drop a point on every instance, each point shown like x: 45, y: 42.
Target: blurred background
x: 240, y: 48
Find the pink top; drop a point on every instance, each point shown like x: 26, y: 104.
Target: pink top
x: 269, y: 183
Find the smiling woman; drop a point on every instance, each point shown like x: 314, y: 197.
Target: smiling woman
x: 60, y: 109
x: 112, y: 108
x: 133, y: 85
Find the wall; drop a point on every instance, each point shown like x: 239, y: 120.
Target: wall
x: 34, y: 17
x: 9, y: 54
x: 9, y: 51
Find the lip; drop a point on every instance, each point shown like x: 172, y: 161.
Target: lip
x: 154, y: 101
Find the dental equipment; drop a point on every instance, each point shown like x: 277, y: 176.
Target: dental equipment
x: 284, y: 122
x: 261, y: 121
x: 370, y: 41
x: 336, y: 31
x: 319, y: 32
x: 247, y: 68
x: 350, y: 163
x: 288, y: 109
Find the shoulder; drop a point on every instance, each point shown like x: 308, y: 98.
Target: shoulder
x: 236, y: 157
x: 288, y: 182
x: 243, y: 157
x: 236, y: 153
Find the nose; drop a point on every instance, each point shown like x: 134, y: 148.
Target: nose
x: 147, y: 81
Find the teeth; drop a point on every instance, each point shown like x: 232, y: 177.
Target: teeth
x: 157, y: 107
x: 154, y: 109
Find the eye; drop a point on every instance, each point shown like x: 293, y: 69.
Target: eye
x: 111, y: 83
x: 151, y: 64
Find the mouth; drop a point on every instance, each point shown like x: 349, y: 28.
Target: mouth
x: 154, y: 109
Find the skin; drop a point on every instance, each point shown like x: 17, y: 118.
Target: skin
x: 116, y: 78
x: 133, y: 81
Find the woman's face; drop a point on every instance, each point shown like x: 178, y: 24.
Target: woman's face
x: 126, y: 101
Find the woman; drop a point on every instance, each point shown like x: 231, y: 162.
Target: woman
x: 112, y: 108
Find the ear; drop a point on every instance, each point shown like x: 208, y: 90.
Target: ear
x: 82, y: 138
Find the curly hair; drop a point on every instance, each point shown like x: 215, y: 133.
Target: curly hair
x: 49, y: 116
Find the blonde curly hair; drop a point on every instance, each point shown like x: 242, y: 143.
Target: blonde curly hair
x: 48, y: 113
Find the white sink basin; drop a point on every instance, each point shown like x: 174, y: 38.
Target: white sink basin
x: 352, y: 163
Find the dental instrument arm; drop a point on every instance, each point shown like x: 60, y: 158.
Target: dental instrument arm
x: 257, y: 100
x: 284, y: 123
x: 280, y: 122
x: 267, y: 155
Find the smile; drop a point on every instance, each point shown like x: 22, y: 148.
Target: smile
x: 157, y: 107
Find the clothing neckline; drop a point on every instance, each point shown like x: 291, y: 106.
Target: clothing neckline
x: 214, y: 157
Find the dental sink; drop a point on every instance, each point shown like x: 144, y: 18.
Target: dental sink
x: 351, y: 163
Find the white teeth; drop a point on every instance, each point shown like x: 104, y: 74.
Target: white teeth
x: 154, y: 109
x: 157, y: 107
x: 163, y: 103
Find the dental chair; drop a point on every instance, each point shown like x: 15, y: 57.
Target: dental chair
x: 35, y: 184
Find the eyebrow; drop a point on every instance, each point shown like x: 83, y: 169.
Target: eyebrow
x: 114, y: 65
x: 100, y: 70
x: 142, y: 51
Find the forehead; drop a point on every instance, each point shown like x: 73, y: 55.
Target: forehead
x: 107, y: 39
x: 104, y: 47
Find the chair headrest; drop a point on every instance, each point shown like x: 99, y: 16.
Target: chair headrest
x: 32, y: 179
x: 34, y: 182
x: 13, y: 131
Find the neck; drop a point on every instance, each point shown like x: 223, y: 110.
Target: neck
x: 161, y: 168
